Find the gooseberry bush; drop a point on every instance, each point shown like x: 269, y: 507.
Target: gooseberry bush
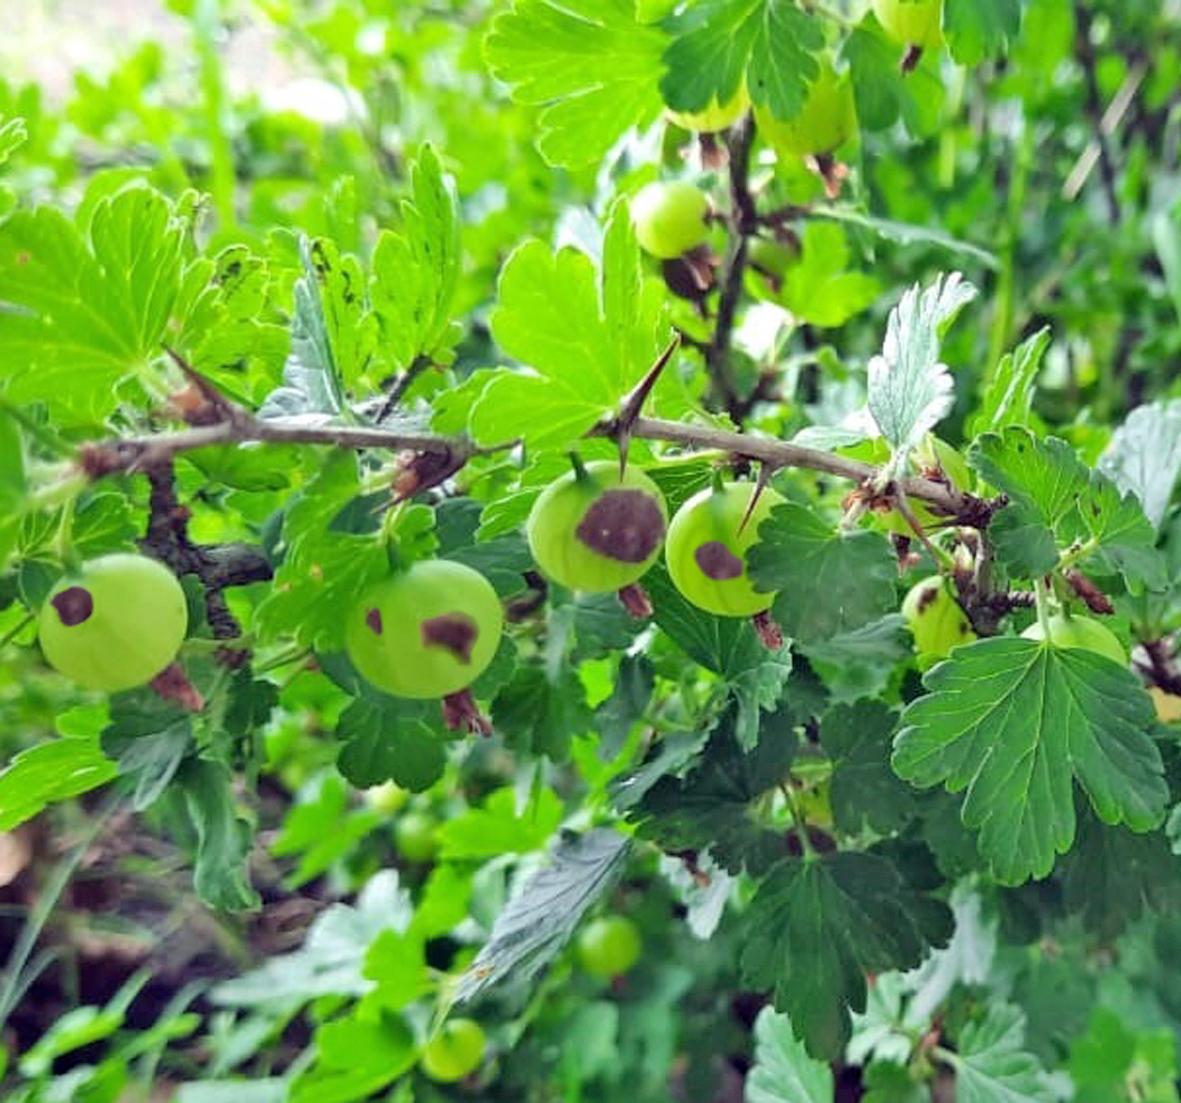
x: 631, y: 551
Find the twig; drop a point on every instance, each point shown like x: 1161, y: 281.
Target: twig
x: 141, y: 453
x: 970, y: 510
x: 401, y: 385
x: 1162, y: 671
x: 1085, y: 53
x: 743, y: 221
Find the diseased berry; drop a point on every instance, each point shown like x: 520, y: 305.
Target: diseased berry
x: 429, y: 631
x: 707, y: 545
x: 596, y: 532
x: 936, y: 620
x: 115, y: 624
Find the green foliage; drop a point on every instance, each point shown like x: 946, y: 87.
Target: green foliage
x: 338, y: 296
x: 1057, y: 716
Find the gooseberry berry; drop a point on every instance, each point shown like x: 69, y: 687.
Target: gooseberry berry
x: 429, y: 631
x: 714, y: 116
x: 912, y: 22
x: 936, y: 620
x: 670, y: 218
x: 454, y: 1052
x: 417, y: 836
x: 1080, y: 632
x: 825, y: 122
x: 609, y: 946
x: 771, y: 256
x: 596, y: 531
x: 707, y: 545
x: 115, y: 624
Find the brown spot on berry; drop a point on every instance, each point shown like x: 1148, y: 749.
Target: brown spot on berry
x: 927, y: 597
x: 625, y: 525
x: 717, y: 561
x: 73, y: 605
x: 373, y: 621
x: 454, y: 632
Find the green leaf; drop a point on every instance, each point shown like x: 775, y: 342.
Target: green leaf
x: 1013, y: 722
x: 1112, y: 876
x: 1144, y: 456
x: 585, y: 339
x: 1111, y: 1063
x: 906, y: 233
x: 910, y: 389
x: 332, y: 335
x: 502, y: 560
x: 591, y: 65
x: 783, y: 1072
x: 79, y: 314
x: 416, y: 268
x: 391, y: 740
x: 718, y: 43
x: 539, y: 715
x: 828, y: 582
x: 324, y: 570
x: 817, y: 926
x: 615, y: 717
x: 1008, y: 396
x: 991, y: 1064
x: 858, y: 663
x: 864, y: 790
x: 13, y: 134
x: 820, y: 289
x: 356, y: 1059
x: 321, y: 829
x: 49, y: 773
x: 712, y: 806
x: 884, y: 94
x: 396, y: 963
x: 496, y: 827
x: 889, y: 1083
x: 540, y: 919
x: 1055, y: 500
x: 147, y: 747
x: 980, y: 29
x: 726, y: 645
x: 331, y: 959
x: 223, y: 838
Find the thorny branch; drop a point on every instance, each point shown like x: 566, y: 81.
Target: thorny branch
x: 743, y: 221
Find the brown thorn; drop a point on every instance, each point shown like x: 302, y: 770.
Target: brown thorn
x: 766, y: 470
x: 227, y: 409
x: 633, y: 402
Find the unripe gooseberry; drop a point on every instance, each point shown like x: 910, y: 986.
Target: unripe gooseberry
x: 670, y: 218
x: 707, y: 545
x: 454, y: 1052
x: 429, y: 631
x: 714, y: 116
x: 1084, y: 633
x: 772, y: 257
x: 595, y: 531
x: 609, y: 946
x: 912, y: 22
x: 116, y: 623
x: 825, y: 122
x: 936, y: 620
